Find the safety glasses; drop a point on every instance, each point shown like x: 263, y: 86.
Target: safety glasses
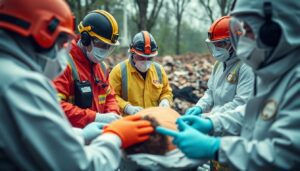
x: 218, y: 44
x: 239, y: 28
x: 141, y: 58
x: 100, y: 44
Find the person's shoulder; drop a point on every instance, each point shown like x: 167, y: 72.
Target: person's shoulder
x: 16, y: 75
x: 244, y: 68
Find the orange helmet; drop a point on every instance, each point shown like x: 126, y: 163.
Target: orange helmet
x: 143, y: 44
x: 219, y: 29
x: 43, y: 20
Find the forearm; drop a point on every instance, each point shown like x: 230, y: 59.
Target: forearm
x: 270, y: 154
x: 229, y: 122
x: 206, y: 102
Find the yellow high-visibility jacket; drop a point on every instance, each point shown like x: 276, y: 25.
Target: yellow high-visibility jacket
x: 137, y: 91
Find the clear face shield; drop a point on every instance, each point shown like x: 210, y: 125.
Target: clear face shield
x: 219, y: 49
x: 100, y: 50
x: 244, y: 42
x: 239, y: 28
x: 56, y: 58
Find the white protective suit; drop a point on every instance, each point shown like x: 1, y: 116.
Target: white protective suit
x: 35, y: 134
x: 222, y: 95
x: 269, y: 137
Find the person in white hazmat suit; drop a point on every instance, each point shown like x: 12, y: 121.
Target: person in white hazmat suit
x: 231, y: 82
x: 35, y: 134
x: 268, y: 136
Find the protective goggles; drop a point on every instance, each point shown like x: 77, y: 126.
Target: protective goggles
x: 141, y: 58
x: 212, y: 45
x: 239, y: 28
x: 97, y: 43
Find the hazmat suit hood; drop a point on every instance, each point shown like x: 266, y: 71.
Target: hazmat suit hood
x: 252, y: 12
x: 22, y: 50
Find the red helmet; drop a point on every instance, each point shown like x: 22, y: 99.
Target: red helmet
x: 43, y: 20
x: 219, y: 29
x: 143, y: 44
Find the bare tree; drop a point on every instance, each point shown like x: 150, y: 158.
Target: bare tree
x: 76, y: 8
x: 224, y: 7
x: 144, y: 20
x: 179, y: 8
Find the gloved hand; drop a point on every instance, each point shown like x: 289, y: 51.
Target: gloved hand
x: 106, y: 117
x: 92, y: 130
x: 131, y: 110
x: 196, y: 110
x: 130, y: 129
x: 203, y: 125
x: 164, y: 103
x: 191, y: 142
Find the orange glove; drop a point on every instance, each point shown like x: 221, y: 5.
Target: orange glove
x: 131, y: 129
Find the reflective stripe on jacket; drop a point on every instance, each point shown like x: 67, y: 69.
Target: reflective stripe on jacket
x: 103, y: 95
x: 140, y: 92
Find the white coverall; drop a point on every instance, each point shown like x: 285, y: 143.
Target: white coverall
x: 35, y: 134
x: 222, y: 95
x: 269, y: 136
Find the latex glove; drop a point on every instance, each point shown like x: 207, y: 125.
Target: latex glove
x: 106, y: 117
x: 203, y: 125
x: 92, y: 130
x: 131, y: 110
x: 192, y: 143
x: 164, y: 103
x: 196, y: 110
x: 130, y: 129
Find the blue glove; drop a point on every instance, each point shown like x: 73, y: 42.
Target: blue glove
x: 196, y: 110
x: 191, y: 142
x: 201, y: 124
x: 92, y: 130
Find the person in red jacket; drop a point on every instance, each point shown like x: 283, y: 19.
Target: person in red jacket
x: 83, y: 89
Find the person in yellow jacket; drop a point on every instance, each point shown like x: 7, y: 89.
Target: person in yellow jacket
x: 139, y: 82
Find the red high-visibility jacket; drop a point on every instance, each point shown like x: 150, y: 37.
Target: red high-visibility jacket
x: 103, y: 98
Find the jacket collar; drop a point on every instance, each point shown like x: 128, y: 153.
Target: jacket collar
x: 78, y: 53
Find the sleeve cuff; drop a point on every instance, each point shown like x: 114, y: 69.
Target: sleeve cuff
x: 112, y: 138
x: 217, y: 126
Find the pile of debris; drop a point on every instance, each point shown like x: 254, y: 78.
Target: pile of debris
x: 188, y: 76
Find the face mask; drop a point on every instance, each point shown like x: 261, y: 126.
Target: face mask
x: 249, y: 53
x: 55, y: 66
x: 97, y: 55
x: 143, y: 66
x: 220, y: 54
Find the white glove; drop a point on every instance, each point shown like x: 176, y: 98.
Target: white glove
x: 106, y: 117
x: 92, y: 130
x: 164, y: 103
x: 131, y: 110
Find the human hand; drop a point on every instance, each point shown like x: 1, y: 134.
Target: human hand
x: 203, y: 125
x: 106, y: 117
x: 191, y: 142
x: 92, y: 130
x: 130, y: 129
x: 196, y: 110
x: 131, y: 110
x: 164, y: 103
